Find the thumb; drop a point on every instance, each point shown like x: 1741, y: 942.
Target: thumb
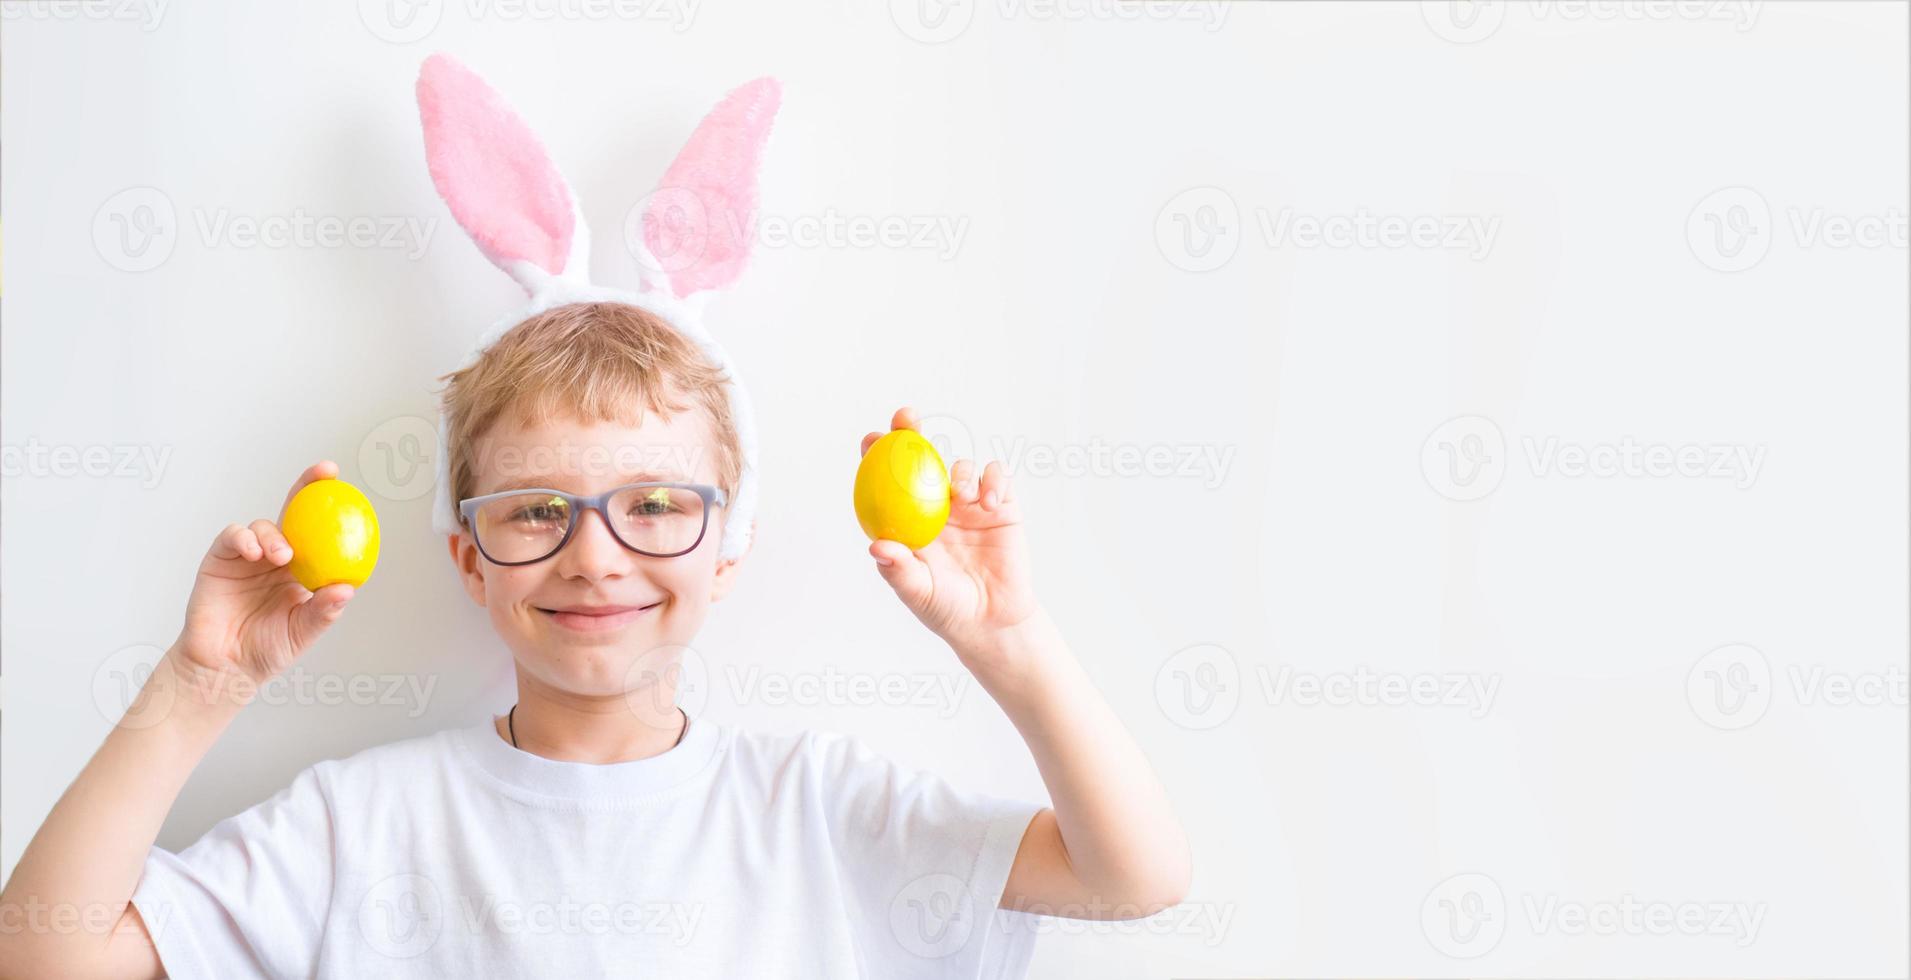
x: 904, y: 572
x: 311, y: 617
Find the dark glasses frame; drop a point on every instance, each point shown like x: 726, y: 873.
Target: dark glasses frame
x: 713, y: 497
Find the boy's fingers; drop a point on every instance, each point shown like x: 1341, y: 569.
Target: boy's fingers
x: 904, y: 572
x: 236, y: 541
x: 962, y: 478
x: 870, y: 440
x: 335, y: 595
x: 885, y: 550
x: 278, y: 551
x: 240, y: 542
x: 995, y: 485
x: 905, y: 418
x: 321, y: 609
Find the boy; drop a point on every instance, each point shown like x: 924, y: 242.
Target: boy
x: 595, y: 829
x: 596, y: 494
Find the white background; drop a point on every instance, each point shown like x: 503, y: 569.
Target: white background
x: 1107, y: 279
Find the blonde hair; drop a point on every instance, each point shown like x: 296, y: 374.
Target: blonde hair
x: 596, y: 362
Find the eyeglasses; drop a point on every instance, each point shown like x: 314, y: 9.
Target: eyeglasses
x: 662, y: 520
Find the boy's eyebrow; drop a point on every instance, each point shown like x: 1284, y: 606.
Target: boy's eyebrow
x: 550, y: 482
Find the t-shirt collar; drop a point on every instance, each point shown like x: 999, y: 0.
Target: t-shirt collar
x: 590, y: 781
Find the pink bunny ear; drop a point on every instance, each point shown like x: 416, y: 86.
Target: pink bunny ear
x: 494, y: 175
x: 699, y: 224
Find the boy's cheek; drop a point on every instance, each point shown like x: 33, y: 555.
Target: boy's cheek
x: 508, y: 589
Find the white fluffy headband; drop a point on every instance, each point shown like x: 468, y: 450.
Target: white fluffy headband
x: 507, y: 195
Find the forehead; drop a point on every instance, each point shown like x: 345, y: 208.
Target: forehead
x: 576, y: 455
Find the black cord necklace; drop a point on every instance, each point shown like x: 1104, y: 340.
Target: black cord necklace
x: 510, y: 722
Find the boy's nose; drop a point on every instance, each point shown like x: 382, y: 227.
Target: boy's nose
x: 593, y: 552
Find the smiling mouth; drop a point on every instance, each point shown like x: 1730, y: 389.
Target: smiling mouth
x: 594, y: 619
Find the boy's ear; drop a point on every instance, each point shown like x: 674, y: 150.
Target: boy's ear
x: 727, y: 569
x: 464, y: 554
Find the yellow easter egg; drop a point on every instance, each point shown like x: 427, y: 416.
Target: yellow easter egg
x: 333, y: 532
x: 902, y: 490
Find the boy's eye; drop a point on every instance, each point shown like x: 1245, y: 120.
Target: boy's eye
x: 550, y: 510
x: 656, y: 503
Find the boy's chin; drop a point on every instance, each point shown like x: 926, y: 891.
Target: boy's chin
x: 628, y: 666
x: 583, y: 680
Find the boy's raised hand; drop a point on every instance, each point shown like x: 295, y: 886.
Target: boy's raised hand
x: 248, y: 616
x: 972, y: 583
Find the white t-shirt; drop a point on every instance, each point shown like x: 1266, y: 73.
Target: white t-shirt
x: 730, y: 855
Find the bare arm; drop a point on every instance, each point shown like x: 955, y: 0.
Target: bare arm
x: 1111, y: 846
x: 67, y: 910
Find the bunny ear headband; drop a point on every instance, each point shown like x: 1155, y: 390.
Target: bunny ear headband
x: 507, y: 195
